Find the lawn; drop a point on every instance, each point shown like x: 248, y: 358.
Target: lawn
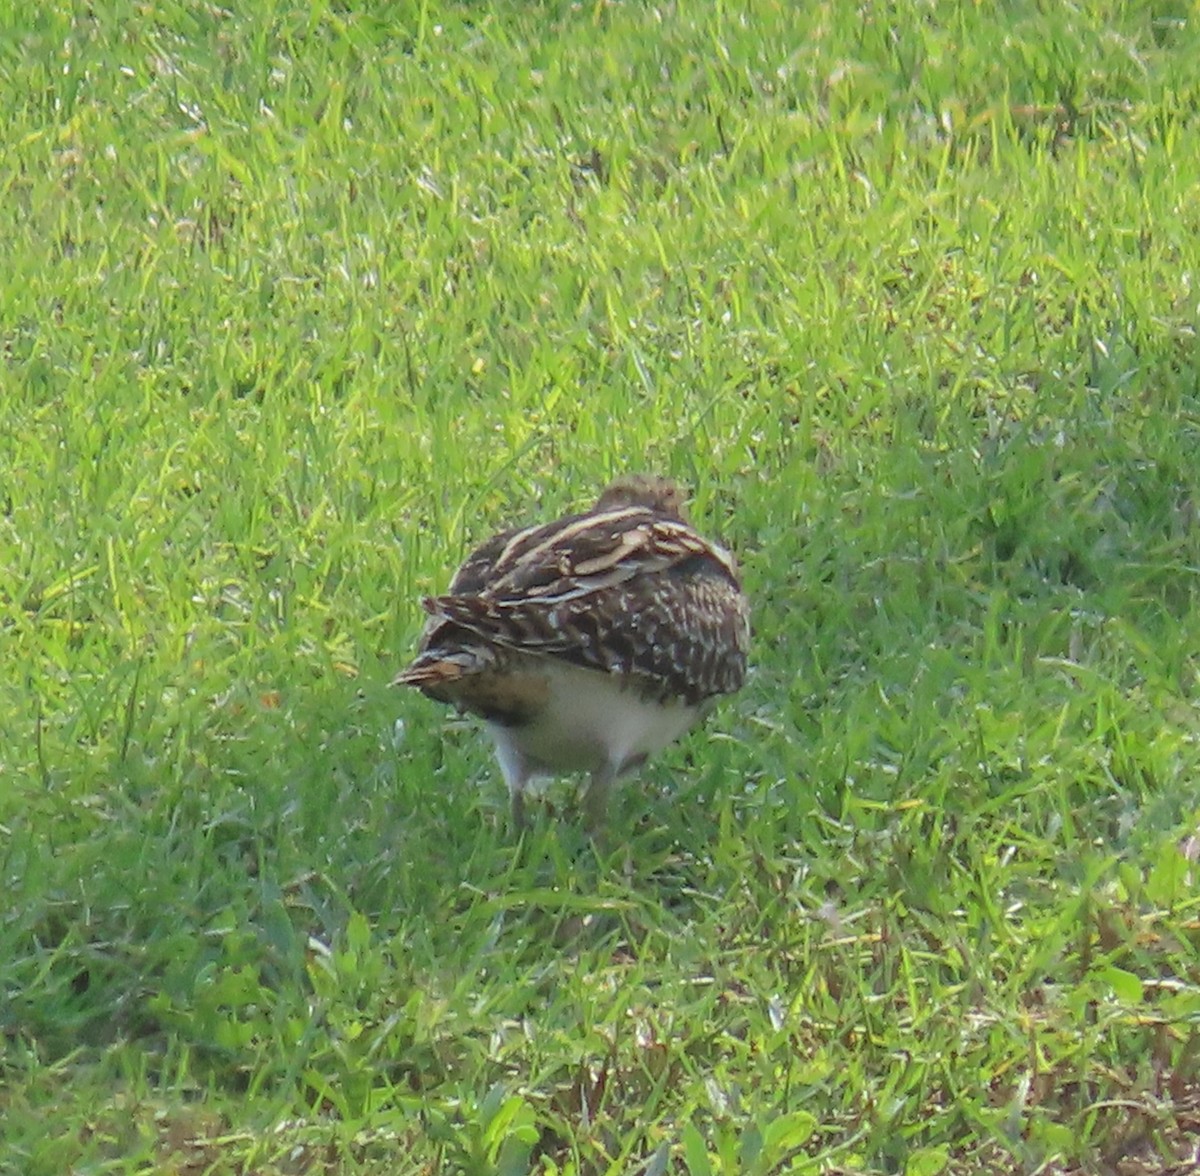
x: 300, y: 301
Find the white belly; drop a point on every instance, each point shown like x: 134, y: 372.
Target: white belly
x: 590, y: 723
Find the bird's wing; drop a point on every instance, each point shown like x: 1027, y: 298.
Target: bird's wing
x: 621, y: 591
x: 480, y: 566
x: 587, y: 553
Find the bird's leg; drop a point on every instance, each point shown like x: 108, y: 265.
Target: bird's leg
x: 595, y: 803
x: 516, y: 775
x: 520, y: 819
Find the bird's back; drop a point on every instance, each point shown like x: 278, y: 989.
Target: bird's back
x: 628, y: 588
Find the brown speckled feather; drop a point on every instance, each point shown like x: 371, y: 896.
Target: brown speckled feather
x: 588, y: 643
x: 628, y: 590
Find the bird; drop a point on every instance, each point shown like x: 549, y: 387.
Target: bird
x: 590, y: 643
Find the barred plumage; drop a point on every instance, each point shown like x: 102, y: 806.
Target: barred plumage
x: 588, y: 643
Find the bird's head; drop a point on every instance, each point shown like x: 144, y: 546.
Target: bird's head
x: 661, y: 495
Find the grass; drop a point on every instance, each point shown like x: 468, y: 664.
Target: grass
x: 301, y: 302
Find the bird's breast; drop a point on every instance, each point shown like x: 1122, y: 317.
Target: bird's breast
x: 587, y: 720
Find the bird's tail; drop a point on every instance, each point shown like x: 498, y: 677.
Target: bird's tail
x: 432, y: 669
